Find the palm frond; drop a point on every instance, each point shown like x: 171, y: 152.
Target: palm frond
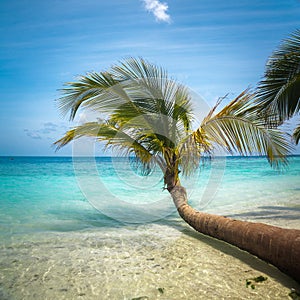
x: 112, y: 136
x: 296, y: 134
x: 86, y: 89
x: 189, y: 155
x: 150, y: 88
x: 130, y: 90
x: 237, y: 128
x: 278, y: 93
x: 212, y: 111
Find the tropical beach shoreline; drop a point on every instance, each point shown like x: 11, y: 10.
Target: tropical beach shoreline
x: 55, y: 245
x: 168, y: 89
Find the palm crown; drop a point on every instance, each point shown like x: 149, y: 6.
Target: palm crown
x: 149, y: 115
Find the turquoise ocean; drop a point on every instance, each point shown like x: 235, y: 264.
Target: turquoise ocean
x: 47, y: 205
x: 43, y: 193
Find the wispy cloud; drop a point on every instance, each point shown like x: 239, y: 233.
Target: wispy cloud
x: 158, y: 9
x: 49, y: 127
x: 33, y: 134
x: 46, y: 131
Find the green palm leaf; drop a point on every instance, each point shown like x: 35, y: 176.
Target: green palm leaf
x: 112, y: 135
x: 278, y: 92
x: 237, y: 128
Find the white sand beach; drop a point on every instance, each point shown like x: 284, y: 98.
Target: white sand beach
x: 154, y: 261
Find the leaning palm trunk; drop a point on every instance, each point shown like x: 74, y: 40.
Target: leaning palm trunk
x: 278, y: 246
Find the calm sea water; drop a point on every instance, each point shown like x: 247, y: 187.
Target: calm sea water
x: 55, y: 193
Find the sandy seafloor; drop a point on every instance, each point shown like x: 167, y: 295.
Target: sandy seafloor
x: 162, y: 260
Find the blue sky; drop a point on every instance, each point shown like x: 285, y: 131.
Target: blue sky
x: 214, y: 47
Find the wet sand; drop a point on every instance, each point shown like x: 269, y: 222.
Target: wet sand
x: 165, y: 260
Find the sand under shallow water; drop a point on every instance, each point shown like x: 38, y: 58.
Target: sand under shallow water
x: 152, y: 261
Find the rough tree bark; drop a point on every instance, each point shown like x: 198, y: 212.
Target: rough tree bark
x: 278, y: 246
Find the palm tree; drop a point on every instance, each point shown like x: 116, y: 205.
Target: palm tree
x: 149, y: 116
x: 278, y: 92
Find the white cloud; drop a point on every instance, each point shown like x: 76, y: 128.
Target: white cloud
x: 159, y: 10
